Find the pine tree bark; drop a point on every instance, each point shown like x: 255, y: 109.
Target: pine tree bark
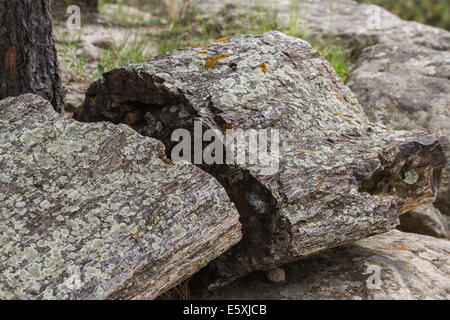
x: 28, y: 58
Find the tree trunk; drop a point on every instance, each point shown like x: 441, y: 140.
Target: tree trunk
x: 28, y: 59
x: 91, y: 4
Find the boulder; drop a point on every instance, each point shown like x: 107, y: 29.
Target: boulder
x: 425, y: 220
x: 392, y: 266
x: 354, y: 24
x: 404, y: 86
x: 334, y: 177
x: 95, y: 211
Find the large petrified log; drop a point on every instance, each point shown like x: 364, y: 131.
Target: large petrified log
x: 405, y: 86
x: 93, y: 211
x: 409, y: 266
x: 339, y: 178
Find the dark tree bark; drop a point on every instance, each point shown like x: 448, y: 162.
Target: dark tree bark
x: 28, y: 59
x: 91, y: 4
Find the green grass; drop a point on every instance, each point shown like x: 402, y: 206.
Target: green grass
x: 337, y: 56
x: 432, y: 12
x: 130, y: 50
x: 120, y: 16
x: 182, y: 33
x: 179, y: 33
x: 74, y: 61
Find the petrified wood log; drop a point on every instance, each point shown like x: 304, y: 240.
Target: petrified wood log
x: 340, y: 178
x: 94, y: 211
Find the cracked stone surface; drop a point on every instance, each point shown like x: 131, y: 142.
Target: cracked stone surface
x: 425, y: 220
x: 410, y: 266
x: 340, y: 178
x: 94, y: 211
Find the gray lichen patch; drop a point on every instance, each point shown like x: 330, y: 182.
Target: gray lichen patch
x: 87, y: 209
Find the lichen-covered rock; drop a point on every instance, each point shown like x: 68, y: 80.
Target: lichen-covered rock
x: 93, y: 211
x: 407, y: 87
x: 357, y: 25
x: 409, y: 266
x: 339, y: 178
x: 425, y: 220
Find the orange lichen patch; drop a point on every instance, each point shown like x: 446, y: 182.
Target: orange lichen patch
x: 303, y: 151
x: 263, y: 67
x: 11, y: 60
x: 182, y: 48
x: 223, y: 39
x: 195, y: 45
x: 419, y: 257
x: 387, y: 129
x: 159, y: 278
x: 92, y: 99
x: 203, y: 52
x: 318, y: 186
x: 407, y: 267
x: 166, y: 161
x: 209, y: 64
x: 226, y: 126
x: 136, y: 233
x: 221, y: 56
x: 401, y: 249
x: 398, y: 181
x: 340, y: 114
x: 358, y: 122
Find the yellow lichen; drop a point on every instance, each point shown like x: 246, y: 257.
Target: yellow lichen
x: 209, y: 64
x: 221, y: 56
x: 340, y: 114
x: 136, y: 233
x: 226, y: 126
x: 263, y: 67
x: 223, y: 39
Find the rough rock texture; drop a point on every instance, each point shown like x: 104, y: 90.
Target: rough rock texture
x: 340, y: 177
x: 425, y: 220
x: 407, y: 87
x: 358, y: 25
x: 93, y: 211
x: 410, y: 266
